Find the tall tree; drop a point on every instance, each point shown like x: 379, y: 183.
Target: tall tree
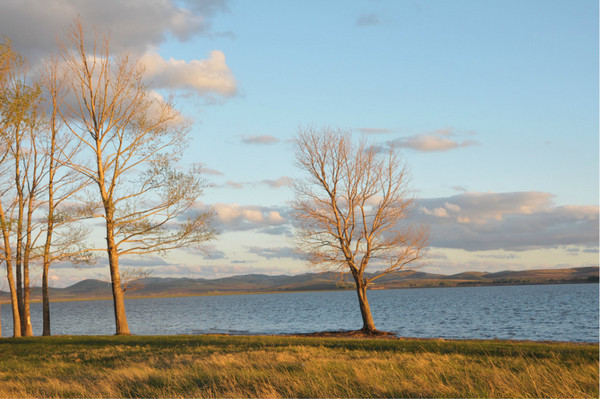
x: 24, y: 160
x: 64, y: 235
x: 8, y: 61
x: 130, y: 141
x: 350, y: 207
x: 33, y: 179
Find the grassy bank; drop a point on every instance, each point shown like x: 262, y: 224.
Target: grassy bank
x: 229, y: 366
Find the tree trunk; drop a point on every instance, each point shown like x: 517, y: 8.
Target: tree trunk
x: 14, y: 301
x: 115, y: 277
x: 27, y: 329
x: 26, y: 315
x: 19, y: 247
x: 19, y: 290
x: 365, y: 309
x: 50, y: 225
x: 45, y: 300
x: 9, y: 276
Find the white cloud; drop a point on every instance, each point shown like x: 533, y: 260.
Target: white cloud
x: 470, y: 221
x: 134, y: 25
x: 431, y: 143
x: 436, y: 141
x: 234, y: 217
x: 275, y: 253
x: 211, y: 75
x: 509, y: 221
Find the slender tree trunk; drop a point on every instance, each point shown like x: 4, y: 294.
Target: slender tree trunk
x: 47, y: 244
x: 19, y: 247
x: 27, y: 329
x: 45, y: 299
x: 46, y: 256
x: 9, y: 276
x: 14, y: 301
x: 118, y: 297
x: 365, y: 309
x: 26, y: 315
x: 19, y: 285
x: 46, y: 259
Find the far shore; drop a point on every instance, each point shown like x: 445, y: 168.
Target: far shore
x: 38, y: 299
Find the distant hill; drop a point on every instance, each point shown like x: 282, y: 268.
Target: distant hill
x: 254, y: 283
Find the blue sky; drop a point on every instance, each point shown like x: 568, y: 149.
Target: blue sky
x: 493, y: 103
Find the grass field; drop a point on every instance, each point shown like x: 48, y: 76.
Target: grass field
x: 265, y: 366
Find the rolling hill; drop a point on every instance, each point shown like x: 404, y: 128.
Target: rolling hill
x: 256, y: 283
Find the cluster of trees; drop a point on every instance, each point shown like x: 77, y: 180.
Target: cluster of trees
x: 85, y: 140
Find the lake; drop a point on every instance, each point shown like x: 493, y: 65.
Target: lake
x: 566, y: 312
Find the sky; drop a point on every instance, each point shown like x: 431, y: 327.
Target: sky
x: 493, y: 105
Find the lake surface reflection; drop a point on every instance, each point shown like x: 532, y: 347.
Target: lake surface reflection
x: 542, y: 312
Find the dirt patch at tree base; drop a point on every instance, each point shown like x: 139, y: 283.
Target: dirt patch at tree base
x: 348, y: 334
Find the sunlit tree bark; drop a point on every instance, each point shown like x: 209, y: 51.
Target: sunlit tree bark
x: 132, y: 140
x: 350, y: 207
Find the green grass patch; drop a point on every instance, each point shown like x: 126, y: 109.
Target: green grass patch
x: 279, y: 366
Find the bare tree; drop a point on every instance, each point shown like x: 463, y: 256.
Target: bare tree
x: 25, y: 162
x: 130, y: 141
x: 32, y: 180
x: 8, y: 60
x: 64, y: 235
x: 349, y: 209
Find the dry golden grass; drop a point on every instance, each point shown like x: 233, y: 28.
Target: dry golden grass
x: 292, y: 367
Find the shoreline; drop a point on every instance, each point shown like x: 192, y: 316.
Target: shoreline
x: 263, y: 292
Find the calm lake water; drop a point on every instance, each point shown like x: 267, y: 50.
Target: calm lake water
x: 542, y: 312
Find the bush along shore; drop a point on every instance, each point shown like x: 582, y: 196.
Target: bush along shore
x: 286, y: 366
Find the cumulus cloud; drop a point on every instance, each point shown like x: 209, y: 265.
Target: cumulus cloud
x: 211, y: 75
x: 514, y: 221
x: 275, y: 253
x: 234, y: 217
x: 441, y: 140
x: 134, y: 25
x: 436, y: 141
x: 509, y: 221
x: 262, y: 139
x: 137, y: 27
